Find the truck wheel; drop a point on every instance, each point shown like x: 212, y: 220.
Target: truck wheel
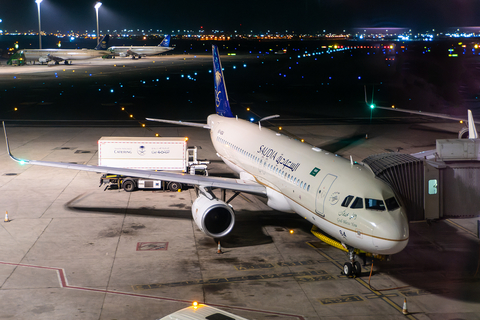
x: 128, y: 185
x: 174, y: 186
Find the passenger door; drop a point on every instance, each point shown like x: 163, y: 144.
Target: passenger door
x: 322, y: 193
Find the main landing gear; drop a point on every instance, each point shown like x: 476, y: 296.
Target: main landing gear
x: 352, y: 268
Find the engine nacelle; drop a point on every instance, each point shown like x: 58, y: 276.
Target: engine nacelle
x: 214, y: 217
x: 43, y: 59
x: 122, y: 54
x: 463, y: 134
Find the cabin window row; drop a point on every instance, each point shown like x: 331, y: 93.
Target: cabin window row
x: 278, y: 171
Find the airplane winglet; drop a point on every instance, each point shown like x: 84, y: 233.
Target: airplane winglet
x: 472, y: 130
x: 8, y: 147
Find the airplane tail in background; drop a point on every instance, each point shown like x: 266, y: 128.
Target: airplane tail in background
x: 165, y: 42
x: 102, y: 45
x: 221, y: 97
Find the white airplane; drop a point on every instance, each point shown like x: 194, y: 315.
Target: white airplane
x: 142, y: 51
x: 342, y: 198
x: 66, y: 55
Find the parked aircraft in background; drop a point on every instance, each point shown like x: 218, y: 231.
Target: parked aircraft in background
x: 66, y: 55
x: 142, y: 51
x: 342, y: 198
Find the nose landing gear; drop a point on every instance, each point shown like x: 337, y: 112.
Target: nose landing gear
x: 352, y: 268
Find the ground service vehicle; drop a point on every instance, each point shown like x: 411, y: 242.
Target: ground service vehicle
x: 147, y: 153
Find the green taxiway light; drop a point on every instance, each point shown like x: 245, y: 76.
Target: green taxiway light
x: 372, y: 106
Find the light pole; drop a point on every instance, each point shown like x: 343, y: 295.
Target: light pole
x: 97, y: 5
x: 39, y: 25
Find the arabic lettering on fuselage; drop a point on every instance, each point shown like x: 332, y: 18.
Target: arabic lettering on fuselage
x: 270, y: 153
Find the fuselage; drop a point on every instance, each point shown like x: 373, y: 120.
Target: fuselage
x: 139, y: 50
x: 62, y: 54
x: 344, y: 200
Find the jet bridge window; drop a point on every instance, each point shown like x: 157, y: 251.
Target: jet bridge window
x: 374, y: 204
x: 357, y: 203
x: 391, y: 204
x: 347, y: 201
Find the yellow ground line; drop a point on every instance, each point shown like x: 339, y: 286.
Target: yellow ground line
x: 463, y: 228
x: 363, y: 283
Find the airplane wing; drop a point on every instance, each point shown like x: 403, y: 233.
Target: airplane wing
x: 203, y: 181
x: 429, y: 114
x: 182, y: 123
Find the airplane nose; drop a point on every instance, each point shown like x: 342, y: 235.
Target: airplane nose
x: 391, y: 235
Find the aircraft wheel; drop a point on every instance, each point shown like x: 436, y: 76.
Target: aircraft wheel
x: 347, y: 269
x: 174, y: 186
x: 357, y: 268
x: 128, y: 186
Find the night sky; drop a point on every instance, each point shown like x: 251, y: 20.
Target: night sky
x: 301, y: 16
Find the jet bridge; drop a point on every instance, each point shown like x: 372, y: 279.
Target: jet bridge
x: 405, y: 174
x: 444, y: 186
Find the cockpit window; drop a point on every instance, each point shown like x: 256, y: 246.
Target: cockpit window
x: 357, y: 203
x: 391, y: 204
x: 374, y: 204
x: 347, y: 201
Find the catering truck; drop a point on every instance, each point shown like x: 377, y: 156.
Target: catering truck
x: 147, y: 153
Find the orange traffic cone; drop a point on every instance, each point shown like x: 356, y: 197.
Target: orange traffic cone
x: 404, y: 310
x: 6, y: 217
x: 219, y: 248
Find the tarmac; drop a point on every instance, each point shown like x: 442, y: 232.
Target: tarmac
x: 72, y: 250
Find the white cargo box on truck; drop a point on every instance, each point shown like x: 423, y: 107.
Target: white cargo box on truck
x: 146, y: 153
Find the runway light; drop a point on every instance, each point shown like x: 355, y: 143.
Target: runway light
x: 461, y: 121
x: 123, y: 108
x: 248, y: 109
x: 393, y: 107
x: 372, y: 106
x: 279, y: 128
x: 302, y: 140
x: 291, y: 231
x: 156, y: 134
x: 143, y: 125
x: 131, y: 116
x: 15, y: 109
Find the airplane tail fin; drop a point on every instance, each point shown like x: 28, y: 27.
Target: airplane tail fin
x: 472, y: 130
x: 102, y: 45
x: 221, y: 96
x: 165, y: 42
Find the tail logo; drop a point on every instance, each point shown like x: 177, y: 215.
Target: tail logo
x: 218, y: 82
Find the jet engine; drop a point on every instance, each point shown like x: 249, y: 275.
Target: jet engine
x: 122, y: 54
x: 213, y: 216
x: 43, y: 60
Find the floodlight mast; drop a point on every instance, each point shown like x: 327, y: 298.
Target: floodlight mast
x: 39, y: 24
x: 97, y: 5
